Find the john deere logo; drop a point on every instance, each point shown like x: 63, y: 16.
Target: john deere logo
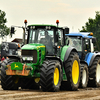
x: 16, y: 66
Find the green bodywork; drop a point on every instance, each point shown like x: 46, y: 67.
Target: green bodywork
x: 36, y: 47
x: 63, y: 52
x: 35, y: 66
x: 64, y: 49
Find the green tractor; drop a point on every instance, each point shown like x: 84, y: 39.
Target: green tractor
x: 46, y: 61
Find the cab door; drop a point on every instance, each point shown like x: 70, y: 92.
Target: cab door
x: 60, y: 43
x: 86, y: 47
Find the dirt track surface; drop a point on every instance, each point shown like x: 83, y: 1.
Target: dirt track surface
x: 81, y: 94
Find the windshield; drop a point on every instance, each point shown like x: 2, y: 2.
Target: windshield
x: 37, y: 36
x: 43, y: 36
x: 75, y: 42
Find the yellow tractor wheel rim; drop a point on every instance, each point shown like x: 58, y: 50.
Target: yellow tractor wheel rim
x: 56, y: 76
x: 75, y: 72
x: 16, y: 80
x: 37, y: 80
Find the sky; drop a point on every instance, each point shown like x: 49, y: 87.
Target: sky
x: 71, y: 13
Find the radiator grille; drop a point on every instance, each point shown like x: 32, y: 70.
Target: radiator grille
x: 30, y: 53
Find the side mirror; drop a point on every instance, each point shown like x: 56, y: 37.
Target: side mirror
x: 66, y: 30
x: 12, y: 30
x: 93, y: 40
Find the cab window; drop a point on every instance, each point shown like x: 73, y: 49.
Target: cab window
x: 60, y: 37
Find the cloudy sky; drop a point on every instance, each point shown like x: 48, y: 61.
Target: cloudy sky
x: 71, y: 13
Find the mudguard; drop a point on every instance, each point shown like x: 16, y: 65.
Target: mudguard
x: 66, y: 52
x: 83, y: 62
x: 93, y: 57
x: 90, y: 57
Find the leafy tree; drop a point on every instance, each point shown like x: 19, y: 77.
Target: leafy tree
x: 93, y: 25
x: 4, y: 30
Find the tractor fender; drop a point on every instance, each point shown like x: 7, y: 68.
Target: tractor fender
x: 88, y: 57
x: 55, y: 58
x: 68, y: 51
x: 93, y: 57
x: 83, y: 62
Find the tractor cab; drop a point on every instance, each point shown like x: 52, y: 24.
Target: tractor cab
x: 82, y: 41
x: 50, y: 36
x: 47, y: 35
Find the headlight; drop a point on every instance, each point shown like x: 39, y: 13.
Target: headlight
x: 19, y: 52
x: 27, y: 58
x: 30, y: 58
x: 24, y: 58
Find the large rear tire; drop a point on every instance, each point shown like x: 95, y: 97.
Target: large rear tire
x: 50, y: 76
x: 8, y: 82
x: 29, y: 83
x: 84, y: 76
x: 72, y: 70
x: 94, y: 73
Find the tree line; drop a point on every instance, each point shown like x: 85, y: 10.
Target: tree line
x: 93, y: 25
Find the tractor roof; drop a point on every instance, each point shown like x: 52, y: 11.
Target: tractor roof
x: 43, y: 25
x: 83, y: 34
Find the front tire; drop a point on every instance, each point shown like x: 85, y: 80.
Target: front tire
x: 84, y: 76
x: 50, y: 76
x: 8, y: 82
x: 72, y: 70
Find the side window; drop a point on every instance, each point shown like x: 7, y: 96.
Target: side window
x: 92, y: 46
x: 60, y: 38
x: 86, y: 45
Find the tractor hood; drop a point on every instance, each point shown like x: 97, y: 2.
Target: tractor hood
x: 34, y: 53
x: 32, y: 46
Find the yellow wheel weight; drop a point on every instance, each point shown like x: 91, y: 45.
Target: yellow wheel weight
x: 75, y: 72
x: 56, y: 76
